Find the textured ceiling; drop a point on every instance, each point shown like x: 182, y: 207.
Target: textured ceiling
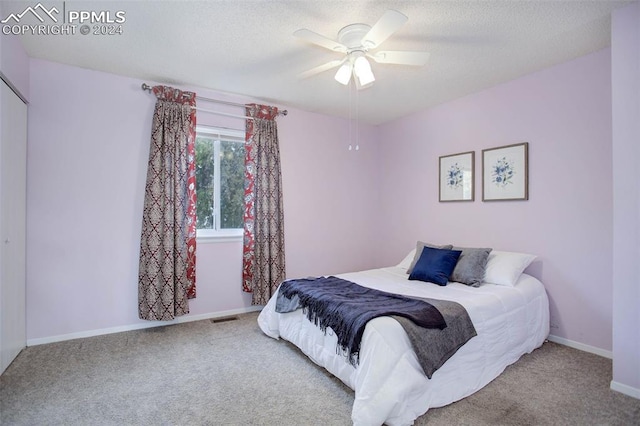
x: 247, y: 47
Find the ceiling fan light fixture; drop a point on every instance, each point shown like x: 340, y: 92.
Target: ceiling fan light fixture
x: 366, y: 80
x: 360, y: 86
x: 362, y: 70
x: 344, y: 73
x: 357, y: 41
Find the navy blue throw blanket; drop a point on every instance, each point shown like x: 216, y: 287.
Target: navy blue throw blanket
x: 346, y: 307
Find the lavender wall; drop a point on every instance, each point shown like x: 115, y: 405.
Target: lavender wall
x: 88, y: 148
x: 331, y: 195
x: 564, y: 113
x: 14, y: 62
x: 625, y: 58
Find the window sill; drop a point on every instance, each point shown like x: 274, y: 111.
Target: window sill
x: 218, y: 238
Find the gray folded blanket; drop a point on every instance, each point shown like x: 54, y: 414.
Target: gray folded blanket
x: 434, y: 347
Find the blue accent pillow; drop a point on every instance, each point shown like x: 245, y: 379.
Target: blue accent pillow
x: 435, y: 265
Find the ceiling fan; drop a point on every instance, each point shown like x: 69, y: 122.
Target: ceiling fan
x: 358, y: 42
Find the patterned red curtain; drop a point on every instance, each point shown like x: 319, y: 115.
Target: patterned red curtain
x: 263, y: 265
x: 166, y: 277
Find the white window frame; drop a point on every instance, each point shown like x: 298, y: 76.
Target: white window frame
x: 217, y: 234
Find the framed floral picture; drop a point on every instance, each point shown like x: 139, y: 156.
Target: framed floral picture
x: 505, y: 173
x: 456, y: 177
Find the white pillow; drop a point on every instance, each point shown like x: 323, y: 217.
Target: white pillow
x: 406, y: 262
x: 505, y: 267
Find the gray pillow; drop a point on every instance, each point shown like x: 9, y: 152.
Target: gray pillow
x: 471, y: 266
x: 419, y: 246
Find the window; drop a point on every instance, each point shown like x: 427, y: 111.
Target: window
x: 219, y: 182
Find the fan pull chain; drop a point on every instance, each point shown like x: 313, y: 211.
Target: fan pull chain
x: 357, y: 108
x: 350, y: 117
x: 357, y: 120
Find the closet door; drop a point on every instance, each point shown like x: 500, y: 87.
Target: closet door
x: 13, y: 177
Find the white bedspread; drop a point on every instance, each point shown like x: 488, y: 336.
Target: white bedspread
x: 390, y: 386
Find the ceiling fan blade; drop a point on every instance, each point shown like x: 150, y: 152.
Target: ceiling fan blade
x: 388, y: 24
x: 400, y: 57
x: 320, y: 40
x: 321, y: 68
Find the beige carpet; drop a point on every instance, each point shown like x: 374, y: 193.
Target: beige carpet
x: 229, y: 373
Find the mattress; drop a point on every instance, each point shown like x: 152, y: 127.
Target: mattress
x: 390, y: 386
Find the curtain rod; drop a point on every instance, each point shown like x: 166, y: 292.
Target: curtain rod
x: 148, y: 88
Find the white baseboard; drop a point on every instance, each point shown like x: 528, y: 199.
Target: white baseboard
x: 625, y: 389
x: 615, y: 386
x: 580, y: 346
x: 110, y: 330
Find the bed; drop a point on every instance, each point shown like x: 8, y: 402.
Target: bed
x: 390, y: 385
